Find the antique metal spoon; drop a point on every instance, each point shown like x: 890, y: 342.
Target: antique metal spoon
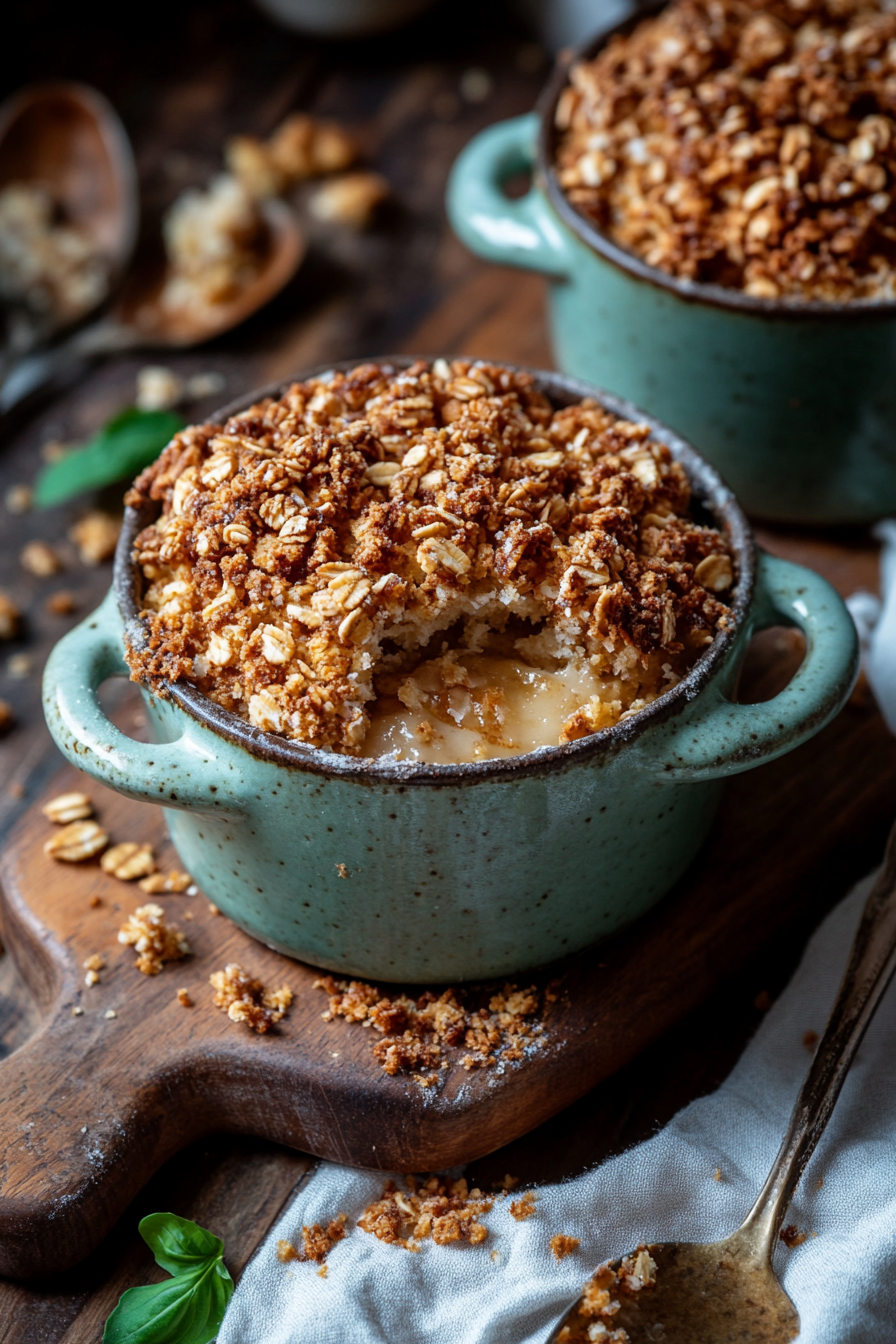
x: 726, y: 1291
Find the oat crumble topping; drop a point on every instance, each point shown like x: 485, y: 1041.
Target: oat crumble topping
x: 154, y: 941
x: 416, y: 1033
x: 593, y: 1320
x: 562, y: 1245
x: 438, y: 1208
x: 362, y: 541
x: 524, y: 1207
x: 317, y: 1241
x: 246, y: 1000
x: 745, y: 143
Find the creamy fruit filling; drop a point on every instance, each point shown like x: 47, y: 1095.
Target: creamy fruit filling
x: 435, y: 562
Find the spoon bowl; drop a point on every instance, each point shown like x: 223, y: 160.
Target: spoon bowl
x: 719, y: 1292
x: 726, y: 1292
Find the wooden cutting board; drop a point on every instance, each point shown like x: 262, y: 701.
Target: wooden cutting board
x: 93, y: 1105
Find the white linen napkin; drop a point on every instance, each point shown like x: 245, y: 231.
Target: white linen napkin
x: 842, y: 1278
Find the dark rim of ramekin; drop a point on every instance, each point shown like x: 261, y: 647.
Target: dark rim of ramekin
x: 708, y: 489
x: 691, y: 291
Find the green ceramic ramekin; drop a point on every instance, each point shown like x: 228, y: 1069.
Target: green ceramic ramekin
x: 795, y: 403
x: 456, y: 871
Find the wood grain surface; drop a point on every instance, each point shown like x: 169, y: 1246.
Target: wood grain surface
x: 93, y: 1104
x: 187, y: 75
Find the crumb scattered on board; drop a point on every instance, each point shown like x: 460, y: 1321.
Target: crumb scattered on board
x: 524, y: 1207
x: 244, y: 999
x: 416, y: 1031
x: 438, y: 1209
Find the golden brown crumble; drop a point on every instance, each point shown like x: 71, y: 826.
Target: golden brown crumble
x: 746, y: 143
x: 246, y: 1000
x: 792, y: 1236
x: 810, y: 1040
x: 155, y: 884
x: 77, y: 841
x: 524, y: 1207
x: 128, y: 860
x: 184, y: 999
x: 316, y: 550
x: 416, y: 1032
x: 562, y: 1245
x: 317, y: 1241
x: 438, y: 1208
x: 154, y: 941
x: 593, y: 1319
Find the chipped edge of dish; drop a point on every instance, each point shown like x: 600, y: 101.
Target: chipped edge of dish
x: 708, y: 490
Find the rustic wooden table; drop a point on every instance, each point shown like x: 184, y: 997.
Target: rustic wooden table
x: 184, y: 79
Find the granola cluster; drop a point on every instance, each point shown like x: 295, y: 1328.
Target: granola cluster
x: 747, y: 143
x: 245, y: 999
x: 317, y: 1242
x: 416, y: 1032
x: 154, y: 941
x: 594, y: 1318
x: 438, y: 1208
x: 316, y: 549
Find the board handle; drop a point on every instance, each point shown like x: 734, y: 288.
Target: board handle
x: 715, y: 737
x: 183, y: 773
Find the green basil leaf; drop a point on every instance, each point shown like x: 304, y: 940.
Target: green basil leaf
x: 178, y: 1244
x: 186, y: 1309
x: 121, y: 449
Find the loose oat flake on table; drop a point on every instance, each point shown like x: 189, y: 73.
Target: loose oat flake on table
x: 748, y: 144
x: 435, y: 563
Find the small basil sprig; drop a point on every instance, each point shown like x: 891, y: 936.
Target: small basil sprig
x: 124, y: 446
x: 187, y: 1308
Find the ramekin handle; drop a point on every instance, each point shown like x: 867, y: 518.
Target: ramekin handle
x: 523, y: 232
x: 724, y: 738
x: 176, y: 774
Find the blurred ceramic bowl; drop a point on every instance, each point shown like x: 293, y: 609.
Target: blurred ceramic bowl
x: 342, y: 18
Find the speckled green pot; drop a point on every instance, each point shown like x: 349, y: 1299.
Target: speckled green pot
x: 794, y: 403
x: 467, y: 871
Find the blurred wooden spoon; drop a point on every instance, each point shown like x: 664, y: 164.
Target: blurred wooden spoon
x: 139, y: 320
x: 68, y: 139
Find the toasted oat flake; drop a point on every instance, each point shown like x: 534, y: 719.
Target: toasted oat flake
x: 310, y: 549
x: 128, y: 860
x: 77, y: 841
x: 67, y: 807
x: 152, y: 939
x: 184, y: 999
x: 742, y: 144
x: 245, y: 999
x: 40, y: 559
x: 158, y: 884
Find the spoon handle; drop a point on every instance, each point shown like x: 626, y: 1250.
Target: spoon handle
x: 871, y: 965
x: 64, y: 361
